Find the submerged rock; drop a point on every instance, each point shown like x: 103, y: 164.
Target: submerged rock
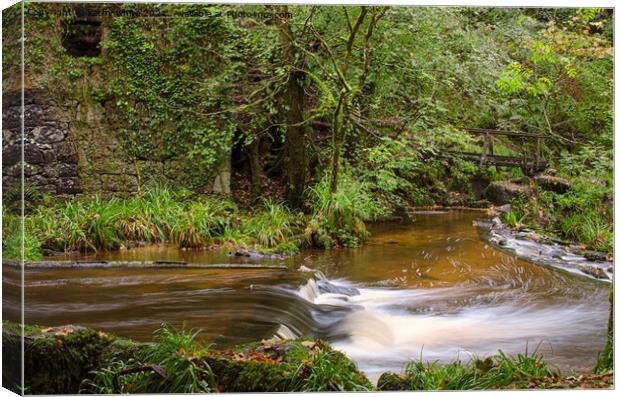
x: 257, y: 255
x: 325, y: 287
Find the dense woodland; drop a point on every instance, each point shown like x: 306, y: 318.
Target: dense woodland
x: 333, y: 116
x: 328, y: 118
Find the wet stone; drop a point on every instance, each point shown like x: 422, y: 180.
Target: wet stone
x: 595, y: 256
x: 595, y: 271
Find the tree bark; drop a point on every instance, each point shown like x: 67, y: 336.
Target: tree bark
x: 255, y: 167
x: 295, y: 149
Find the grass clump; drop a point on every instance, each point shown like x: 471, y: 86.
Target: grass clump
x: 171, y: 365
x: 497, y: 372
x: 12, y: 239
x: 275, y: 226
x: 339, y: 218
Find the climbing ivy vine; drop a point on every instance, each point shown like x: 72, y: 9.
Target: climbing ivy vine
x: 169, y: 79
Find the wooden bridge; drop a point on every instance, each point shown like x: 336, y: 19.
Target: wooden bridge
x: 529, y: 148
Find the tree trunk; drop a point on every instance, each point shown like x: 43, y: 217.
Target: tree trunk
x: 338, y: 137
x: 295, y: 161
x: 255, y: 167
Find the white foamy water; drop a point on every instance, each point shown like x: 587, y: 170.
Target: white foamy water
x: 386, y: 328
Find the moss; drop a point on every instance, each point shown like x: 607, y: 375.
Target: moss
x: 605, y: 362
x: 58, y: 359
x: 392, y: 382
x: 248, y: 376
x: 70, y: 359
x: 293, y: 365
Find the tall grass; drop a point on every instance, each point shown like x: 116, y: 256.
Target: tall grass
x: 156, y: 215
x: 12, y: 239
x: 500, y: 371
x: 179, y: 360
x: 339, y: 218
x: 274, y: 225
x: 189, y: 220
x: 160, y: 215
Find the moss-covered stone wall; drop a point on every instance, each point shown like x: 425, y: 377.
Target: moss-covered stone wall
x: 73, y: 124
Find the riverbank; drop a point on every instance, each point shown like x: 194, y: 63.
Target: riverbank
x: 177, y: 363
x: 542, y: 250
x: 187, y: 220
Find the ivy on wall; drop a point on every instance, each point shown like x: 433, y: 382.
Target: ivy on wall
x: 169, y: 77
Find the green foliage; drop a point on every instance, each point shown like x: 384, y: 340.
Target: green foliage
x: 187, y: 89
x: 174, y: 351
x: 168, y: 80
x: 584, y: 213
x: 12, y: 239
x: 275, y: 226
x: 338, y: 219
x: 512, y: 219
x: 501, y: 371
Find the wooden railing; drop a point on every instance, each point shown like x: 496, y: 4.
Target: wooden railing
x: 530, y: 159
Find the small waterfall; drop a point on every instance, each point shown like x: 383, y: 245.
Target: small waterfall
x: 383, y: 328
x: 285, y: 332
x: 310, y: 291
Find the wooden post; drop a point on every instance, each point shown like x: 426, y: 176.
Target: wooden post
x: 538, y: 151
x: 485, y: 143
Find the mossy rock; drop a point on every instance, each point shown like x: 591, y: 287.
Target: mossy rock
x: 392, y: 382
x: 58, y: 359
x: 286, y: 366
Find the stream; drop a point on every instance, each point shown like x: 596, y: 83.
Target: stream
x: 430, y: 289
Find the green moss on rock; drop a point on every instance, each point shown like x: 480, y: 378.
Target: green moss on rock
x: 292, y: 365
x: 58, y: 359
x: 69, y: 359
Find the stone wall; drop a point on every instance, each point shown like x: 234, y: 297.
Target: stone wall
x: 72, y: 147
x: 73, y: 142
x: 51, y: 163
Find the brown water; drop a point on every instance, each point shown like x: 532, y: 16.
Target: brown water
x: 432, y: 289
